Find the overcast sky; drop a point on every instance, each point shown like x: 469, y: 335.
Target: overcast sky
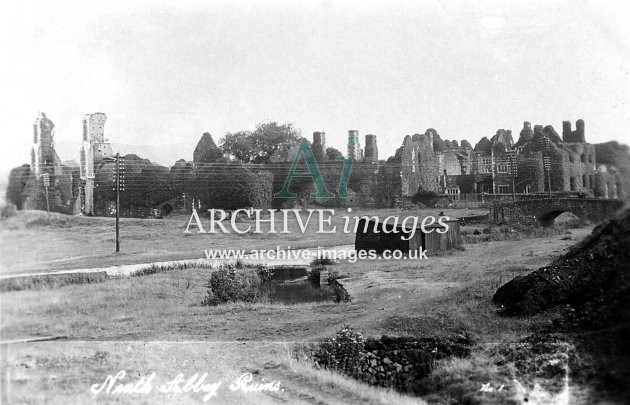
x: 165, y: 73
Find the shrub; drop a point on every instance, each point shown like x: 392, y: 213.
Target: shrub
x: 226, y: 285
x: 8, y: 211
x: 17, y: 182
x: 343, y: 353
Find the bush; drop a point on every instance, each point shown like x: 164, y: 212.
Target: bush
x: 343, y: 353
x: 226, y: 285
x: 9, y: 211
x: 17, y: 182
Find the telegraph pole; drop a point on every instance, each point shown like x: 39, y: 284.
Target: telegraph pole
x: 547, y: 165
x: 120, y: 186
x: 402, y: 204
x: 513, y: 171
x: 46, y: 178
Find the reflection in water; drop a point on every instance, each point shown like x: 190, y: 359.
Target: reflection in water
x: 291, y: 285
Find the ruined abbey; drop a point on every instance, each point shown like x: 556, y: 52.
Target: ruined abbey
x: 540, y: 161
x: 70, y: 187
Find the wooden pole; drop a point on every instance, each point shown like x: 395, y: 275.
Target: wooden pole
x: 117, y: 200
x: 549, y: 180
x: 46, y: 177
x: 47, y: 203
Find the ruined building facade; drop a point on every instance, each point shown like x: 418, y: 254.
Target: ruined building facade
x: 44, y: 159
x: 354, y: 146
x: 47, y: 172
x: 497, y: 163
x: 371, y: 149
x: 424, y: 165
x: 418, y: 164
x: 94, y: 148
x: 70, y: 189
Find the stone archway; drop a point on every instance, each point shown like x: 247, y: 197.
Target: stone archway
x: 547, y: 219
x: 166, y: 209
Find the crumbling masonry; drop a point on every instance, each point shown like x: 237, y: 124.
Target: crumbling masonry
x: 94, y: 148
x: 424, y: 165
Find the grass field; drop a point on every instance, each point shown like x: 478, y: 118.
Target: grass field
x: 156, y: 322
x: 35, y: 242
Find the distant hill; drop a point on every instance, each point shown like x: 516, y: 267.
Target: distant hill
x: 165, y: 155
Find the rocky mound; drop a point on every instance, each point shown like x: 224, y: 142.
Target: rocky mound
x: 592, y: 280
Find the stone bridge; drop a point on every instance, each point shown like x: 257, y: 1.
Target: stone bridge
x: 545, y: 210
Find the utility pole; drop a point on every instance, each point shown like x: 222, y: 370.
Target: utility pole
x: 547, y: 165
x: 513, y: 171
x: 492, y: 169
x: 402, y: 204
x: 46, y: 179
x: 120, y: 186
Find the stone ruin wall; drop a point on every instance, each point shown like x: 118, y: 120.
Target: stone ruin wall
x: 371, y: 149
x: 44, y: 160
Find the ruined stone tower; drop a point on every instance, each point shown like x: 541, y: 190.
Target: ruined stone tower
x: 94, y: 148
x: 354, y: 146
x: 371, y: 150
x: 573, y: 136
x: 43, y: 156
x: 319, y: 138
x: 319, y: 145
x: 526, y: 133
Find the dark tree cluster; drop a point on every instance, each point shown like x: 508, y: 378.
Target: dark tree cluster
x: 258, y: 146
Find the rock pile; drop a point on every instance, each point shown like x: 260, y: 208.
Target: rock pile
x: 394, y: 362
x: 402, y: 362
x: 586, y: 292
x: 593, y: 279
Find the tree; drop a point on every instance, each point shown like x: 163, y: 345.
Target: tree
x: 260, y: 145
x: 206, y: 151
x: 17, y: 181
x: 240, y: 145
x: 332, y: 153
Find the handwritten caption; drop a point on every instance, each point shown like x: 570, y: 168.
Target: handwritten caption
x: 197, y: 383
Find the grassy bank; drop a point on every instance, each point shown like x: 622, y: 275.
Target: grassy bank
x: 441, y: 295
x: 62, y: 242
